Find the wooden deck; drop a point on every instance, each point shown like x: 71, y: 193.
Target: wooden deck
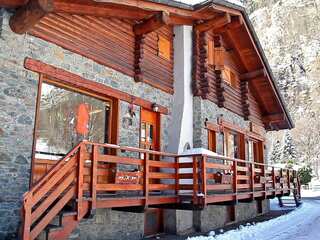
x: 132, y: 177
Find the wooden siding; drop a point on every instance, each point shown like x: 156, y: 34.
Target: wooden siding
x: 158, y: 71
x: 110, y: 42
x: 255, y: 112
x: 207, y: 83
x: 106, y: 41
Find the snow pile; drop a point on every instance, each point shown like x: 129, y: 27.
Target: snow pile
x: 199, y: 151
x: 310, y: 193
x: 299, y: 224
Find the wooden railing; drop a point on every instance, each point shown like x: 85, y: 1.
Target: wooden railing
x: 222, y: 179
x: 96, y: 175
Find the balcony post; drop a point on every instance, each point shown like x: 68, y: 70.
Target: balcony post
x: 288, y: 178
x: 195, y: 180
x: 204, y: 179
x: 146, y: 179
x: 26, y: 211
x: 281, y: 180
x: 176, y: 159
x: 274, y: 180
x: 235, y: 180
x: 94, y: 169
x: 80, y: 180
x: 265, y: 181
x: 252, y: 179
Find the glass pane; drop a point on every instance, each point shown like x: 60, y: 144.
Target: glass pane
x: 143, y: 132
x: 220, y: 143
x: 231, y: 146
x: 66, y: 118
x: 250, y: 151
x: 151, y: 134
x: 148, y: 132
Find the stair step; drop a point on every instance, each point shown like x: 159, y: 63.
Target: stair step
x: 71, y: 213
x: 52, y: 227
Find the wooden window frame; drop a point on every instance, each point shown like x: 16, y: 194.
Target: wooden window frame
x: 226, y: 127
x: 112, y: 124
x: 74, y: 80
x: 258, y: 149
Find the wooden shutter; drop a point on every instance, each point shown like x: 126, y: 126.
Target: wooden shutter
x: 218, y: 57
x: 215, y: 55
x: 164, y: 48
x: 210, y: 53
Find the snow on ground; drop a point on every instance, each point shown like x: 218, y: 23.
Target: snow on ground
x: 300, y: 224
x: 309, y: 193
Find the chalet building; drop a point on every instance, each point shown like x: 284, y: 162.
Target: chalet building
x: 108, y: 110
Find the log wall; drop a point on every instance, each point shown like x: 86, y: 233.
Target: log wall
x: 110, y: 42
x: 209, y: 84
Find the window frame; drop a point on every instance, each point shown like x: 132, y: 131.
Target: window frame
x: 112, y: 124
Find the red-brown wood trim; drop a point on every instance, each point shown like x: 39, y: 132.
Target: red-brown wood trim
x: 74, y: 80
x: 231, y: 126
x: 12, y: 3
x: 212, y: 126
x: 218, y: 127
x: 255, y: 136
x: 36, y: 123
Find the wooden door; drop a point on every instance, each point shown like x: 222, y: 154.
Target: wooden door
x: 150, y: 139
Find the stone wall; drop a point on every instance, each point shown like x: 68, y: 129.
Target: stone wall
x: 109, y: 224
x: 217, y: 216
x: 18, y: 91
x: 205, y: 110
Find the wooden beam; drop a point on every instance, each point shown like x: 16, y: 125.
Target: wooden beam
x: 29, y: 15
x: 244, y: 88
x: 99, y: 9
x: 214, y: 23
x: 12, y: 3
x: 151, y: 24
x: 253, y: 74
x: 236, y: 49
x: 273, y: 118
x: 155, y: 6
x: 138, y: 60
x: 63, y: 77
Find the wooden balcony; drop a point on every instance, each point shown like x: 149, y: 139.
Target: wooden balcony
x: 95, y: 176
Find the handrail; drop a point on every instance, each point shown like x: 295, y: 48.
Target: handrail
x: 220, y: 157
x: 53, y: 169
x: 131, y: 149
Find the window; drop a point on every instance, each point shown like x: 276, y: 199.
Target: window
x: 230, y: 77
x: 250, y: 151
x: 254, y: 151
x: 164, y: 48
x: 66, y: 118
x: 231, y: 145
x: 212, y: 140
